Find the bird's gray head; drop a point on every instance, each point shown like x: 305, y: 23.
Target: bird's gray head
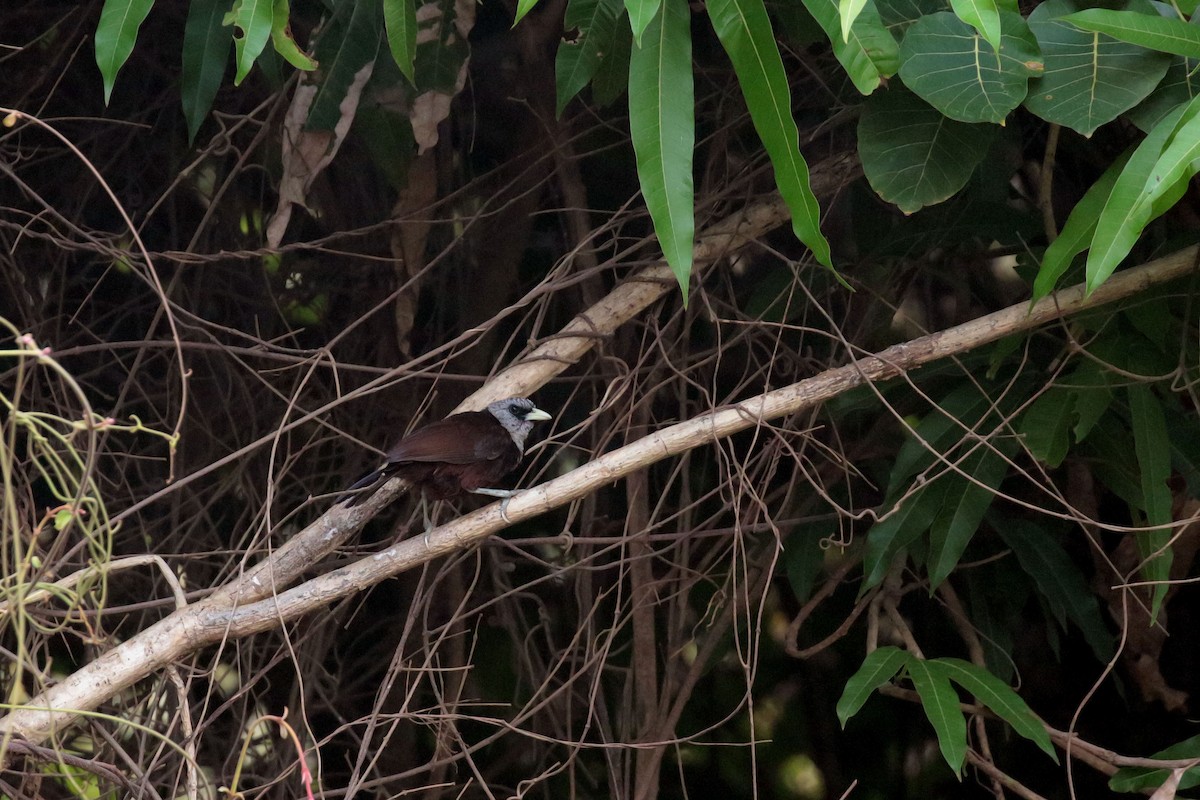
x: 517, y: 415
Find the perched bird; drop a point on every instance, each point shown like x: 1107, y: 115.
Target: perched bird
x: 463, y: 453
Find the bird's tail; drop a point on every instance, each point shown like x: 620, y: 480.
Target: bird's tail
x: 352, y: 496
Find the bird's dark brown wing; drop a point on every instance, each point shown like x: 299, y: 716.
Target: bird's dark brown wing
x: 458, y: 439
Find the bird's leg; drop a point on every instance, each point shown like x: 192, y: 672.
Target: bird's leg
x: 504, y: 494
x: 427, y: 519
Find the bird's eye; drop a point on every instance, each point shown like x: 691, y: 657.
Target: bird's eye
x: 516, y: 410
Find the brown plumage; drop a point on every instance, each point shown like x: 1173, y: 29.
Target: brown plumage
x: 463, y: 453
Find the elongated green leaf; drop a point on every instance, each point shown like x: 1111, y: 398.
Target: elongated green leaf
x: 1058, y: 580
x: 663, y: 129
x: 960, y: 410
x: 912, y: 155
x: 281, y: 37
x: 870, y: 54
x: 1089, y: 78
x: 940, y: 702
x: 400, y: 21
x: 1125, y: 214
x: 943, y: 62
x: 641, y: 12
x: 983, y: 16
x: 253, y: 20
x: 578, y: 58
x: 523, y: 8
x: 1144, y: 779
x: 1093, y: 396
x: 877, y: 669
x: 1152, y: 31
x: 115, y: 36
x: 343, y: 51
x: 1046, y: 425
x: 1000, y: 698
x: 1078, y: 231
x: 745, y: 32
x: 848, y: 11
x: 206, y: 45
x: 1154, y: 459
x: 612, y: 76
x: 963, y: 511
x: 902, y: 528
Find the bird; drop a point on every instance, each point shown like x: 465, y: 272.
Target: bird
x: 462, y: 454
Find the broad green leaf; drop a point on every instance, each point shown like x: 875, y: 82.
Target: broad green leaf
x: 1154, y: 459
x: 1181, y: 84
x: 612, y: 76
x: 963, y: 510
x: 1046, y: 425
x: 281, y: 37
x: 745, y: 32
x: 1125, y: 214
x: 1078, y: 231
x: 943, y: 62
x: 1000, y: 698
x: 848, y: 11
x: 912, y: 155
x: 206, y: 46
x: 343, y: 52
x: 253, y: 21
x: 523, y: 8
x: 116, y: 34
x: 1145, y: 780
x: 983, y: 16
x: 663, y: 129
x: 1089, y: 78
x: 578, y: 58
x: 400, y: 21
x: 878, y: 668
x: 907, y: 523
x: 940, y: 702
x: 898, y: 15
x: 870, y: 54
x: 1057, y: 579
x: 641, y: 13
x: 1150, y: 30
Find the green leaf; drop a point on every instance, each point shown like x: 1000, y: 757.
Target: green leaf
x: 612, y: 76
x: 1154, y: 459
x: 1181, y: 84
x: 400, y: 21
x: 343, y: 51
x: 1046, y: 425
x: 958, y: 411
x: 942, y: 61
x: 1152, y: 31
x: 578, y: 58
x: 1093, y: 396
x: 523, y: 8
x: 281, y: 37
x: 1145, y: 780
x: 887, y: 538
x: 253, y: 20
x: 663, y: 129
x: 1078, y: 231
x: 940, y: 702
x: 1057, y: 579
x: 641, y: 14
x: 116, y: 34
x: 963, y: 511
x: 870, y: 54
x: 898, y: 15
x: 804, y: 557
x: 1000, y: 698
x: 1124, y: 216
x: 983, y: 16
x: 848, y: 11
x: 1089, y: 78
x: 878, y: 668
x: 206, y: 46
x: 912, y: 155
x: 745, y: 32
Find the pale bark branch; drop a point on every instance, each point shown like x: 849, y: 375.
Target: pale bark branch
x: 251, y: 605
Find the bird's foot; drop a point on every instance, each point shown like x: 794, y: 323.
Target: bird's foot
x: 505, y: 496
x: 504, y: 510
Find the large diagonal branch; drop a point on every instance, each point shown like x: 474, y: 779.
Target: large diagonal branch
x: 186, y: 631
